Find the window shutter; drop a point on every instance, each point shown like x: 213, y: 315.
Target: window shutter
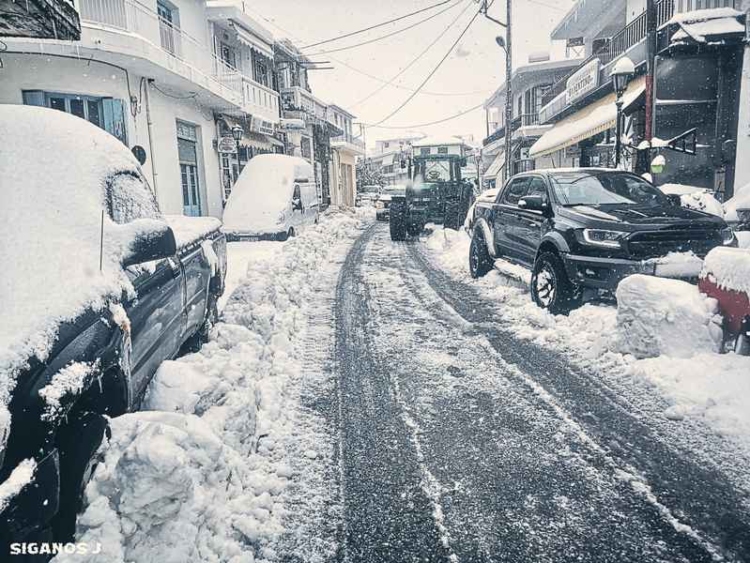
x: 33, y: 98
x: 114, y: 118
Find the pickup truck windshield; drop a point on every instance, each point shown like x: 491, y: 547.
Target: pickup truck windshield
x: 604, y: 188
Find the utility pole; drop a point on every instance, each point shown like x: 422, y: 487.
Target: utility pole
x: 508, y: 89
x: 645, y: 157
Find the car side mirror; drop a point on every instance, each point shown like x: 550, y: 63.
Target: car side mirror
x: 534, y: 203
x: 674, y: 200
x: 297, y: 204
x: 151, y: 245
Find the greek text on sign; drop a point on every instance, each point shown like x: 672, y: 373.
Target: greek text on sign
x: 583, y: 81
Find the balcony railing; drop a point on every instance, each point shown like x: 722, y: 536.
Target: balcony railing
x: 260, y: 100
x: 136, y: 18
x: 349, y: 138
x: 631, y: 35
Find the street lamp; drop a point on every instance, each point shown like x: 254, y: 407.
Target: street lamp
x: 621, y: 74
x: 237, y: 134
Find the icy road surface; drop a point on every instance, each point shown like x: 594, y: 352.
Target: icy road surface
x: 460, y: 441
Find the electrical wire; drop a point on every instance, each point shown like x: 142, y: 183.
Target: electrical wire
x: 388, y: 35
x: 376, y: 25
x: 434, y: 70
x: 420, y: 125
x: 414, y: 61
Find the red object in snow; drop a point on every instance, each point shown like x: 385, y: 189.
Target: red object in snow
x: 734, y: 305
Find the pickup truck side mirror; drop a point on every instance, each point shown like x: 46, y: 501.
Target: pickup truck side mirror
x: 151, y: 245
x: 674, y: 200
x: 297, y: 204
x: 534, y: 203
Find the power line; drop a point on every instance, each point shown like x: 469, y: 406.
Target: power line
x: 388, y: 35
x: 376, y: 25
x: 420, y: 125
x: 414, y: 61
x: 432, y: 73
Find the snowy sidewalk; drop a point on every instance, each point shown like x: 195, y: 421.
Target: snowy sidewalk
x: 228, y: 446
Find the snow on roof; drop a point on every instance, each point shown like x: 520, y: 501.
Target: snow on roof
x: 700, y: 24
x: 438, y: 141
x: 263, y: 191
x: 53, y: 193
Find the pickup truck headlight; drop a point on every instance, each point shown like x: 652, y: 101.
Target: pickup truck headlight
x: 727, y: 236
x: 606, y: 239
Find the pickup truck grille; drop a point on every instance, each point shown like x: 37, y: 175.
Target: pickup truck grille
x: 653, y: 244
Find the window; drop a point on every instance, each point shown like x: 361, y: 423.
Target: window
x: 305, y: 147
x: 260, y: 68
x: 442, y: 150
x: 424, y: 151
x: 187, y: 149
x: 228, y: 55
x: 515, y: 191
x: 537, y: 187
x: 129, y: 198
x: 168, y: 23
x: 107, y: 113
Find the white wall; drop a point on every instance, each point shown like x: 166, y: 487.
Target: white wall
x: 742, y: 172
x: 634, y: 9
x: 74, y: 76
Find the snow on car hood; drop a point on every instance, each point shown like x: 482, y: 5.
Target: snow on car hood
x: 263, y: 193
x: 53, y: 192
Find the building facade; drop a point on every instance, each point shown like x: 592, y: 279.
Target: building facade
x: 696, y: 106
x: 346, y: 148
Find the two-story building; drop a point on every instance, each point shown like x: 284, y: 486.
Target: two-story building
x: 529, y: 85
x: 158, y: 74
x: 697, y: 78
x: 346, y: 148
x: 388, y: 156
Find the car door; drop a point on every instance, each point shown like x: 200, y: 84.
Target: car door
x: 197, y: 275
x: 156, y: 312
x: 531, y: 223
x: 507, y: 220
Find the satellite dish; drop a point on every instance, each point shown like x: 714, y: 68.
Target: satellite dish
x: 140, y: 154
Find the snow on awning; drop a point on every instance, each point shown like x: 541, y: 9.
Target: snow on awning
x: 253, y: 42
x: 496, y: 166
x: 705, y: 26
x: 590, y: 121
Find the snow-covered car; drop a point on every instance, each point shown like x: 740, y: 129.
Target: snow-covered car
x: 383, y: 201
x: 274, y: 198
x: 367, y: 195
x: 98, y: 288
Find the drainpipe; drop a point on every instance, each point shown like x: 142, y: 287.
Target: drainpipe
x: 150, y: 129
x: 650, y: 66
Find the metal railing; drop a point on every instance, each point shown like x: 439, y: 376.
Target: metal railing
x: 134, y: 17
x: 348, y: 138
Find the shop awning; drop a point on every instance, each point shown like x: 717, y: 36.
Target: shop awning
x: 260, y: 141
x: 586, y: 123
x: 253, y: 42
x: 496, y: 166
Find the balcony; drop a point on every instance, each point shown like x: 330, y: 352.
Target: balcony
x: 127, y: 30
x: 349, y: 142
x: 622, y: 42
x: 526, y: 122
x: 299, y: 103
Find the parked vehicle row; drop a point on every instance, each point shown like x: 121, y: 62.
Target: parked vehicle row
x: 581, y: 231
x: 91, y: 339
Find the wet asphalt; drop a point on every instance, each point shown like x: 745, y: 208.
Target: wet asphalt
x: 460, y: 441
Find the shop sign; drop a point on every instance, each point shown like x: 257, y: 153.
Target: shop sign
x: 261, y: 126
x: 583, y: 81
x: 574, y: 42
x: 292, y: 125
x: 227, y: 145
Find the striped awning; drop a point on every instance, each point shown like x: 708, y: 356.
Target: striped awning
x: 586, y: 123
x: 496, y: 166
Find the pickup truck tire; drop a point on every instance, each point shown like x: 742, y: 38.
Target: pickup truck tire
x: 480, y: 261
x: 551, y: 288
x: 78, y: 443
x: 398, y: 223
x: 194, y: 343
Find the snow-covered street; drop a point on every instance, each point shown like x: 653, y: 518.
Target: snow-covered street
x: 365, y: 401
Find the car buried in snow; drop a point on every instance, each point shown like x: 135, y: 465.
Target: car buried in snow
x: 98, y: 290
x: 383, y: 202
x: 581, y: 231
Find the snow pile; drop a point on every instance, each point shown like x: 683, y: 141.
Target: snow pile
x: 202, y: 476
x: 692, y: 197
x: 700, y: 24
x: 453, y: 246
x: 18, y: 479
x: 657, y: 316
x: 188, y: 230
x: 740, y: 202
x: 729, y: 268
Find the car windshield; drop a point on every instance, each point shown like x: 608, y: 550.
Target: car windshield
x: 394, y: 190
x: 602, y: 188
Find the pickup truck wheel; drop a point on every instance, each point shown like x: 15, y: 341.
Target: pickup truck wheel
x: 480, y: 261
x: 78, y: 443
x: 398, y: 223
x: 551, y: 288
x: 194, y: 343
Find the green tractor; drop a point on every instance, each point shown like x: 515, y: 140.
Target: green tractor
x: 435, y: 194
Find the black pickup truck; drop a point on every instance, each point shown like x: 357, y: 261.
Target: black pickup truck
x: 582, y: 231
x: 111, y: 348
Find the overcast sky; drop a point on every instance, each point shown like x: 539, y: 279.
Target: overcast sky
x: 473, y: 70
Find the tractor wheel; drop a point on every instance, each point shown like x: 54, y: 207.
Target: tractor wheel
x: 398, y: 223
x: 452, y: 218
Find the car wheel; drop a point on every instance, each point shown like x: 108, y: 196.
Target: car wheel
x: 197, y: 340
x: 551, y: 288
x: 480, y: 261
x: 398, y: 224
x: 78, y: 443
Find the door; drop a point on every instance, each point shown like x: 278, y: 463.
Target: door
x: 507, y: 222
x: 187, y: 149
x: 531, y: 223
x: 156, y: 313
x: 197, y: 272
